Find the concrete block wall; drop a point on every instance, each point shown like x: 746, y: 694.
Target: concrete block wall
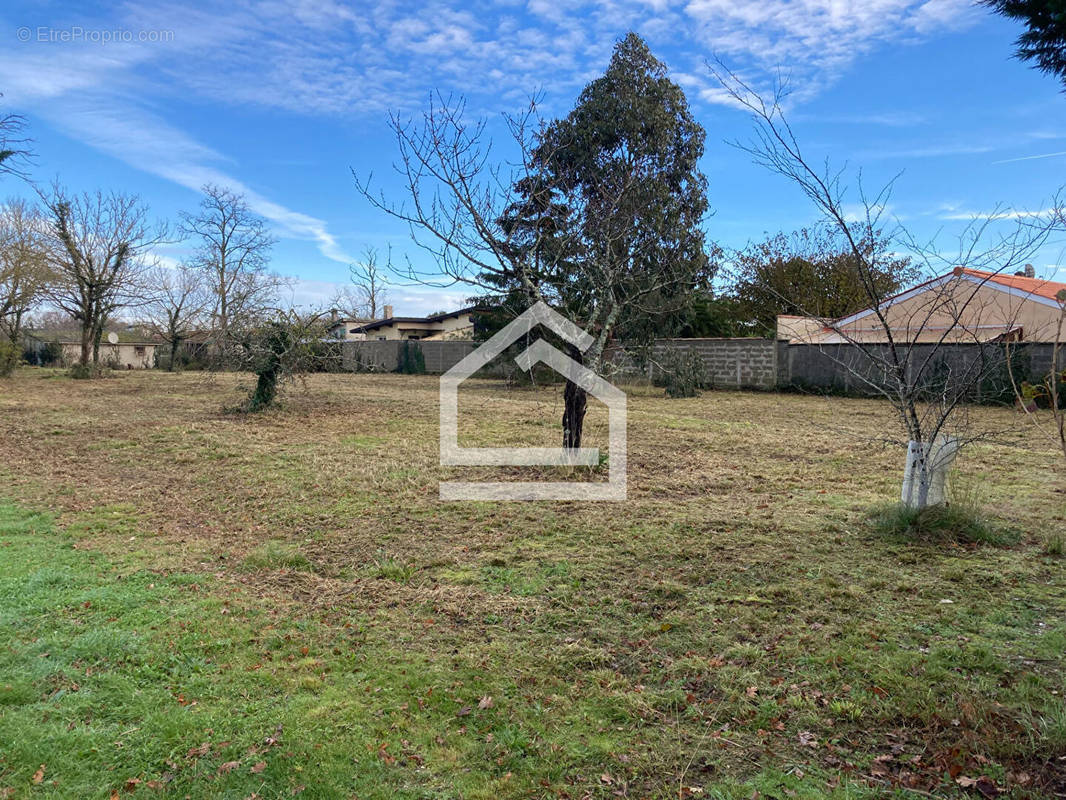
x: 730, y: 363
x: 385, y: 356
x: 843, y: 367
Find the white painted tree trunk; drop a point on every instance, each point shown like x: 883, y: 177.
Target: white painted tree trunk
x: 926, y: 472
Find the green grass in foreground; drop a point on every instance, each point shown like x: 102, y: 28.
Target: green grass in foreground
x: 115, y: 678
x: 126, y: 680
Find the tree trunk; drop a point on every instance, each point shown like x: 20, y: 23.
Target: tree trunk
x: 925, y: 476
x: 173, y: 353
x: 86, y: 346
x: 575, y: 401
x: 266, y: 389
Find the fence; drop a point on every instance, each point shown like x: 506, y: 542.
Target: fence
x: 847, y: 369
x: 757, y: 363
x: 385, y: 356
x: 729, y: 363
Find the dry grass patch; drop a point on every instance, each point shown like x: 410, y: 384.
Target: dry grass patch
x: 735, y: 626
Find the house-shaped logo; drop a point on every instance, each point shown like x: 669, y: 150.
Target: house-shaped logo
x: 451, y: 454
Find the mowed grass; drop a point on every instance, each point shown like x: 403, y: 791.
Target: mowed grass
x: 195, y: 604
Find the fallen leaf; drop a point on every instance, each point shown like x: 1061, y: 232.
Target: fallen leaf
x: 462, y: 712
x: 752, y: 691
x: 605, y: 778
x: 229, y: 766
x: 984, y: 785
x: 878, y: 766
x: 485, y: 702
x: 808, y: 739
x: 38, y: 776
x: 257, y: 768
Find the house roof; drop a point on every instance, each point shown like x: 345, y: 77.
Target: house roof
x: 382, y: 323
x: 1036, y: 289
x: 1033, y: 286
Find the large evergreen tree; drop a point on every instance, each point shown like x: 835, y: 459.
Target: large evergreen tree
x: 601, y: 217
x: 612, y: 207
x: 1044, y: 40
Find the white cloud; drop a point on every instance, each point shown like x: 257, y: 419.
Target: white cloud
x: 114, y: 125
x: 817, y: 39
x: 339, y: 58
x: 356, y: 60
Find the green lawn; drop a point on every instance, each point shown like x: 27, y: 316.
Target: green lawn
x: 214, y: 606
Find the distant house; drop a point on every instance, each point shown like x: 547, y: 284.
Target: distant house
x: 453, y: 325
x: 344, y: 328
x: 134, y: 347
x: 964, y: 305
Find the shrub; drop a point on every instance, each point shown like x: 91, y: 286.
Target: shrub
x: 9, y: 357
x: 940, y: 524
x: 682, y: 374
x: 88, y: 371
x: 411, y: 361
x: 51, y: 355
x: 277, y: 351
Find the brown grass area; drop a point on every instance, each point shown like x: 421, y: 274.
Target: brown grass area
x: 744, y: 538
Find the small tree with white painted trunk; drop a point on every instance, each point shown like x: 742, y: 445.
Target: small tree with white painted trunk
x: 929, y: 392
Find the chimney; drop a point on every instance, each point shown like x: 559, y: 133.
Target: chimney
x: 388, y: 312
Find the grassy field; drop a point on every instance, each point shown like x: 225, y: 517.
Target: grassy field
x: 201, y: 604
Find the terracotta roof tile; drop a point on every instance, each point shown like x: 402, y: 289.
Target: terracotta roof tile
x: 1036, y: 286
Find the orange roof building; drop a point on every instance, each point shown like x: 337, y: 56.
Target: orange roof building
x: 964, y: 305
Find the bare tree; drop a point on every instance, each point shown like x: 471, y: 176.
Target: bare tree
x: 369, y: 279
x: 178, y: 304
x: 98, y: 251
x: 15, y: 152
x: 901, y: 360
x: 600, y: 215
x: 456, y: 197
x: 233, y: 251
x: 24, y: 269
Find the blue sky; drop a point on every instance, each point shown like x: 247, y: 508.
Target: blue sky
x: 280, y: 99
